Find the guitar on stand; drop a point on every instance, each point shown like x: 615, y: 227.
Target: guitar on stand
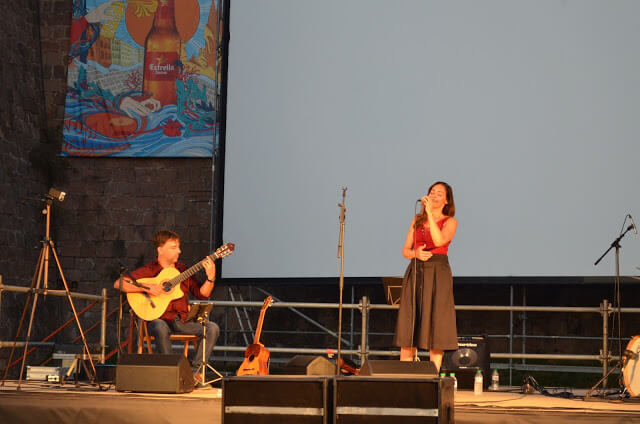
x: 152, y: 307
x: 256, y: 357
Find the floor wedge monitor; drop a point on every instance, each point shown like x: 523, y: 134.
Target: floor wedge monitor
x: 384, y: 368
x: 154, y: 374
x: 309, y: 365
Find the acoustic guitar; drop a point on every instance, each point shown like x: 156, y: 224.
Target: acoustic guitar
x: 152, y: 307
x: 256, y: 357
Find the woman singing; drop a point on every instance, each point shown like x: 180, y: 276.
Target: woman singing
x: 427, y: 317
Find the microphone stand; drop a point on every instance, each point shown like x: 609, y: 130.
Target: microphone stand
x: 413, y: 288
x: 617, y: 307
x: 120, y: 281
x: 133, y: 281
x: 343, y: 211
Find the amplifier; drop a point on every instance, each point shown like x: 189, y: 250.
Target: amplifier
x: 472, y: 355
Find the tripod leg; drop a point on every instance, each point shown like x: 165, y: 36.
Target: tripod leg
x: 30, y: 327
x: 36, y: 277
x: 73, y: 308
x: 69, y: 371
x: 205, y: 362
x: 602, y: 380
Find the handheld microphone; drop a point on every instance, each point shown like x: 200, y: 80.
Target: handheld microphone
x: 635, y: 230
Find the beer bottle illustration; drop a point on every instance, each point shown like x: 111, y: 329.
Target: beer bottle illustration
x: 162, y: 55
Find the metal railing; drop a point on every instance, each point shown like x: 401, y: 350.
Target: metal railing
x: 363, y: 351
x: 364, y: 307
x: 102, y: 300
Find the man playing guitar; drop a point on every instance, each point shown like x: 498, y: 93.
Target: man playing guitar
x: 167, y: 244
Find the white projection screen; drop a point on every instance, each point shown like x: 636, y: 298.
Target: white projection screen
x: 529, y: 109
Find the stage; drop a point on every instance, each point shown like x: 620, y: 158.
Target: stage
x: 40, y: 402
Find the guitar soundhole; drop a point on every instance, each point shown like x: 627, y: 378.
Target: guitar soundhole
x: 166, y: 286
x: 251, y: 357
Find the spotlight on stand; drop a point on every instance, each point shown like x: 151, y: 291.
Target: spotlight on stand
x: 55, y: 194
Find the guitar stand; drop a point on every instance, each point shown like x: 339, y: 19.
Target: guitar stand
x: 201, y: 315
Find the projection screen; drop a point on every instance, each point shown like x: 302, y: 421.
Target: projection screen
x: 529, y: 109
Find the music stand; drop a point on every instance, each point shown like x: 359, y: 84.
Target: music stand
x: 392, y: 289
x: 199, y: 312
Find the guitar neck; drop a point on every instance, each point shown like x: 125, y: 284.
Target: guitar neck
x: 256, y: 338
x: 187, y: 273
x: 223, y: 251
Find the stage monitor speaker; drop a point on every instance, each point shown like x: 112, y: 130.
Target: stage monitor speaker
x: 309, y: 365
x: 385, y: 400
x: 154, y: 374
x: 383, y: 368
x: 277, y: 399
x: 472, y: 355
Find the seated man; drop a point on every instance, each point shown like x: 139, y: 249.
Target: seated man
x: 167, y: 244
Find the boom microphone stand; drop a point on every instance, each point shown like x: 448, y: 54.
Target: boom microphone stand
x: 343, y: 211
x: 41, y: 275
x: 617, y: 307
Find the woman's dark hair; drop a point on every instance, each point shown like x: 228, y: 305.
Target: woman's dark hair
x: 449, y: 209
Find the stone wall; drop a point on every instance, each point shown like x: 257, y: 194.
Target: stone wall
x: 113, y: 206
x: 22, y: 179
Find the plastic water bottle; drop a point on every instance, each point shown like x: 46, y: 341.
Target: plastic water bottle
x: 477, y: 383
x: 455, y: 381
x: 495, y: 380
x: 443, y: 375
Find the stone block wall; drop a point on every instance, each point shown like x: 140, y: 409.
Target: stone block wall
x: 21, y: 180
x: 113, y: 206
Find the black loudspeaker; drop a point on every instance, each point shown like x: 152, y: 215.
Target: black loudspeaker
x: 398, y: 368
x: 276, y: 399
x: 154, y: 374
x: 384, y: 400
x: 309, y: 365
x: 105, y: 373
x: 472, y: 355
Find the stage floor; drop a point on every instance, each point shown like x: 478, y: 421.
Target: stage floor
x: 40, y: 402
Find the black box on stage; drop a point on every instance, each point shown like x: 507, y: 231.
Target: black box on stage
x: 154, y: 374
x: 386, y: 400
x: 384, y: 368
x: 276, y: 399
x: 105, y: 373
x: 309, y: 365
x: 472, y: 355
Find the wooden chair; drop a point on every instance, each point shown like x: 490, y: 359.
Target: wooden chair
x: 143, y: 336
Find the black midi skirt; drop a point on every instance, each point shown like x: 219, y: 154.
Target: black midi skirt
x: 430, y: 306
